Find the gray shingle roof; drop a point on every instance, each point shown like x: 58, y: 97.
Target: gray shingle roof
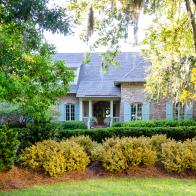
x: 93, y: 83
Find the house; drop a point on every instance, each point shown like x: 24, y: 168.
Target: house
x: 101, y: 99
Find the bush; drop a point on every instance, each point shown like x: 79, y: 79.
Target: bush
x: 35, y: 132
x: 55, y: 157
x: 71, y: 125
x: 156, y: 123
x: 85, y: 142
x: 177, y: 133
x: 8, y: 147
x: 138, y: 151
x: 179, y: 156
x: 118, y: 154
x: 97, y: 152
x: 157, y: 141
x: 113, y: 159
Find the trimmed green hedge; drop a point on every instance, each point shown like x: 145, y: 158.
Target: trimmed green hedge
x: 178, y: 133
x: 8, y: 147
x: 156, y: 123
x: 36, y: 132
x: 70, y: 125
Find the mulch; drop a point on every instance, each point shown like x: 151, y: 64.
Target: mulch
x: 18, y: 178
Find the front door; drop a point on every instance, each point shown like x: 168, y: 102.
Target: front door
x: 101, y: 110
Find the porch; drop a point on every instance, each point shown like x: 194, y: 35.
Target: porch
x: 99, y: 112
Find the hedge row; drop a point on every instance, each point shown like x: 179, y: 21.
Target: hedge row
x: 70, y: 125
x: 156, y: 123
x: 177, y: 133
x: 115, y: 154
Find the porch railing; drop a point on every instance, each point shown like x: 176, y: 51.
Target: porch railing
x: 89, y: 122
x: 116, y: 119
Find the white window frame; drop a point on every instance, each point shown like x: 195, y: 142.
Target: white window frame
x: 70, y: 115
x: 178, y: 111
x: 136, y: 111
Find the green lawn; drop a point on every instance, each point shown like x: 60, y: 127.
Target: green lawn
x: 123, y: 186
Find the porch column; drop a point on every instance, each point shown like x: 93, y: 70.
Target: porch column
x: 81, y: 110
x: 111, y: 112
x: 90, y: 109
x: 90, y: 113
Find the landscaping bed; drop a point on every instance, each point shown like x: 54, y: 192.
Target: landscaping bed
x: 19, y: 178
x: 39, y: 156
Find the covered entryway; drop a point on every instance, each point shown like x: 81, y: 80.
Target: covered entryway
x: 99, y: 112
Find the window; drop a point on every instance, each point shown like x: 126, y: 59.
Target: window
x: 69, y: 112
x: 178, y: 111
x: 136, y: 111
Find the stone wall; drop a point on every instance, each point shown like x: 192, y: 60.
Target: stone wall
x: 70, y: 98
x: 158, y: 110
x: 134, y: 93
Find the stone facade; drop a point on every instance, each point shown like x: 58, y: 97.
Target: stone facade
x: 130, y: 93
x: 135, y: 93
x: 70, y: 98
x: 158, y: 110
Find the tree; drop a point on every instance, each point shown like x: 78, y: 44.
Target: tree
x: 171, y: 40
x: 172, y: 54
x: 109, y: 19
x: 28, y: 75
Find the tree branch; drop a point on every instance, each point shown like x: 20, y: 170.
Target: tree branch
x: 192, y: 19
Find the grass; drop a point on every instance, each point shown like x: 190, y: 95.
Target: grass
x: 112, y: 186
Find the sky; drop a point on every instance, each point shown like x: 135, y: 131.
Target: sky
x: 72, y: 43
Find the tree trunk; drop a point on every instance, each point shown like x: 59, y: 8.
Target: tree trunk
x: 194, y: 1
x: 192, y: 19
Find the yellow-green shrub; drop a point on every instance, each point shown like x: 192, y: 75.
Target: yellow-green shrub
x: 138, y: 151
x: 97, y: 152
x: 118, y: 153
x: 85, y: 142
x: 55, y: 157
x: 35, y: 155
x: 179, y: 156
x: 113, y: 159
x: 157, y: 141
x: 190, y: 154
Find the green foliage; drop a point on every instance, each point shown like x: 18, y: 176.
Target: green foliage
x: 35, y: 132
x: 31, y: 12
x: 71, y: 125
x: 30, y: 78
x: 55, y: 158
x: 28, y: 75
x: 178, y: 133
x: 39, y: 131
x: 8, y: 147
x: 179, y: 156
x: 156, y: 123
x: 171, y: 52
